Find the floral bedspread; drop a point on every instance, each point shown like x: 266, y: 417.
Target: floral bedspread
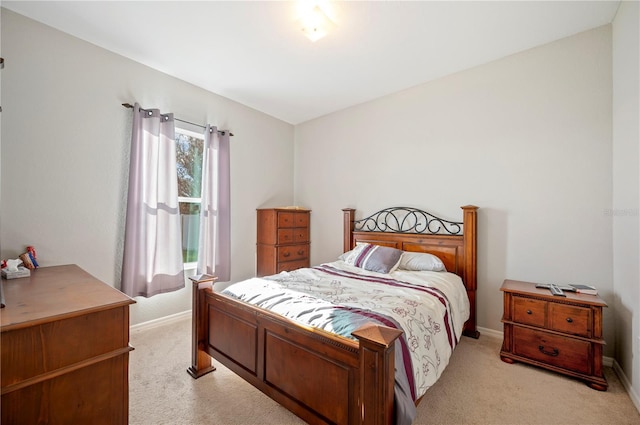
x: 429, y: 307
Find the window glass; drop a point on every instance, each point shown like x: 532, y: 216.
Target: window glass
x: 189, y: 150
x: 189, y: 162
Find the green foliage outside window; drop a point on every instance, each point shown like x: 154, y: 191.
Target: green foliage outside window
x: 189, y: 151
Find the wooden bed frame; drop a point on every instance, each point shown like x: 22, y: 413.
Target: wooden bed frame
x: 321, y: 377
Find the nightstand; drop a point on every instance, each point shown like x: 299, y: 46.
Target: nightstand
x: 562, y: 334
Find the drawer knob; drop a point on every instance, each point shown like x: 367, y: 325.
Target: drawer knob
x: 300, y: 252
x: 569, y: 319
x: 553, y: 353
x: 286, y: 254
x: 529, y: 312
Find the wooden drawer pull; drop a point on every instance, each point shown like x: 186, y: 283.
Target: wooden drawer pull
x: 553, y: 353
x: 569, y: 319
x: 529, y: 312
x: 300, y: 252
x: 286, y: 254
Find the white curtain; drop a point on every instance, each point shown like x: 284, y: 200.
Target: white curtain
x: 214, y: 250
x: 152, y: 262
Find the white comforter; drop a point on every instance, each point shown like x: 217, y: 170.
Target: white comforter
x: 429, y: 307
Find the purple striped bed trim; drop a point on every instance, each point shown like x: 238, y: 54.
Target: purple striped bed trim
x: 388, y: 321
x: 453, y: 340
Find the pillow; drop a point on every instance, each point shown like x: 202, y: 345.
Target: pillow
x: 346, y: 255
x: 420, y: 261
x: 375, y: 258
x: 350, y: 257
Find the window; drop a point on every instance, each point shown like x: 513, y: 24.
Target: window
x: 189, y: 150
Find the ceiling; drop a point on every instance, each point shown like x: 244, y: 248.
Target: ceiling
x: 255, y: 52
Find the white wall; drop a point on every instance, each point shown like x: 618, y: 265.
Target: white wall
x: 626, y: 191
x: 526, y: 138
x: 65, y: 143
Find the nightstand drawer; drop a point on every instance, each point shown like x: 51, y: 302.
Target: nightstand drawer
x: 570, y: 319
x: 567, y: 353
x: 529, y: 311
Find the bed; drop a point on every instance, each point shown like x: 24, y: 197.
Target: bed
x: 321, y: 376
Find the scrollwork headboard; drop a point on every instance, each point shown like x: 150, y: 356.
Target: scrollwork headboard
x: 407, y: 220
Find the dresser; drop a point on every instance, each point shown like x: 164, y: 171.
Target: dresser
x: 65, y: 349
x: 562, y: 334
x: 283, y: 240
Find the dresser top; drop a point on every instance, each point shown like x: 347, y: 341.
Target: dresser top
x: 54, y: 293
x: 529, y: 288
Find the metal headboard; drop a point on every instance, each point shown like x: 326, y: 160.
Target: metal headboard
x: 407, y: 220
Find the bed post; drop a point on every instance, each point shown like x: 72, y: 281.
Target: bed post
x: 377, y: 361
x: 470, y: 241
x: 201, y: 363
x: 349, y: 215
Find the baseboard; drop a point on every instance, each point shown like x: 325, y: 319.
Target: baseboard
x: 160, y: 322
x: 627, y: 385
x: 491, y: 333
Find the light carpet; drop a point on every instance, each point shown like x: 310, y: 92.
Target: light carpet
x: 476, y: 388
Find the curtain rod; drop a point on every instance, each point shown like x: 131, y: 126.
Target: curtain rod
x: 204, y: 127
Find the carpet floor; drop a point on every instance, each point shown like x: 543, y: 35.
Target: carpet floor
x: 476, y: 388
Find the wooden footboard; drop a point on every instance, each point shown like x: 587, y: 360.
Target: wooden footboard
x: 322, y: 378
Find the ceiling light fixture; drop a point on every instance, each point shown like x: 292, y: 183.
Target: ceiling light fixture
x: 316, y: 18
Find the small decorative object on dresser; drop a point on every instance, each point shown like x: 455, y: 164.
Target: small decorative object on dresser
x: 283, y: 239
x: 563, y: 334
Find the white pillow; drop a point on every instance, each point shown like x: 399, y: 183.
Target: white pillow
x: 358, y: 248
x: 420, y: 261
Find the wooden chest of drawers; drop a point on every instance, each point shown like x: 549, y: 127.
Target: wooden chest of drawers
x: 283, y: 240
x: 563, y: 334
x: 65, y: 349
